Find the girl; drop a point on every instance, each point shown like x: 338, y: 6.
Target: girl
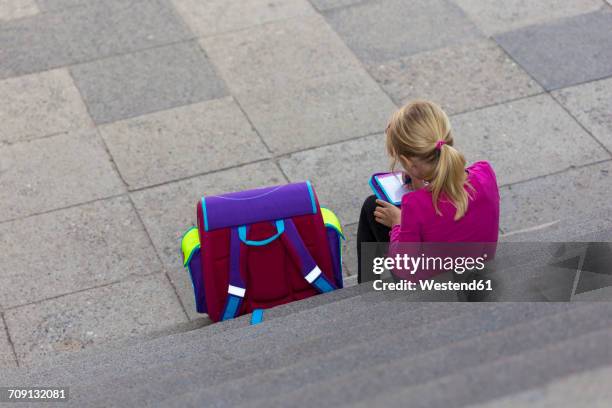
x: 449, y: 202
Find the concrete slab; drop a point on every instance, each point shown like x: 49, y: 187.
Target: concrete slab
x: 591, y: 104
x: 169, y: 210
x: 379, y: 31
x: 340, y: 173
x: 7, y: 358
x: 493, y: 18
x: 349, y: 250
x: 40, y: 104
x: 596, y: 227
x: 460, y: 78
x: 13, y: 9
x: 147, y: 81
x: 79, y: 34
x: 524, y: 139
x: 572, y: 194
x: 56, y: 5
x: 218, y: 16
x: 55, y: 172
x: 85, y: 319
x: 350, y: 281
x: 76, y: 249
x: 318, y: 111
x: 330, y: 4
x: 564, y: 52
x: 181, y: 142
x: 279, y: 54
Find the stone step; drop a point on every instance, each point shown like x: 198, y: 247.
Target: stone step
x: 505, y: 376
x: 437, y: 323
x: 135, y: 357
x: 591, y: 389
x: 260, y: 345
x: 596, y: 227
x: 344, y: 378
x: 94, y: 361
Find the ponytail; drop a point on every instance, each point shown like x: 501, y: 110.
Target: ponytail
x: 422, y: 130
x: 449, y: 179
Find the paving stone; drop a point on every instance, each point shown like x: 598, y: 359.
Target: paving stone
x: 181, y: 142
x: 219, y: 16
x: 93, y: 317
x: 330, y: 4
x: 524, y: 139
x: 382, y: 30
x: 480, y: 74
x: 564, y: 52
x: 7, y: 359
x: 80, y: 34
x: 350, y: 281
x: 333, y: 168
x: 318, y: 111
x: 55, y: 172
x: 146, y: 81
x: 40, y: 104
x: 591, y: 104
x: 497, y: 17
x: 169, y: 210
x: 56, y: 5
x: 13, y: 9
x: 279, y: 54
x: 76, y: 248
x: 349, y: 250
x: 572, y: 194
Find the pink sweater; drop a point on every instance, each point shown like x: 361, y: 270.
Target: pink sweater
x: 420, y: 223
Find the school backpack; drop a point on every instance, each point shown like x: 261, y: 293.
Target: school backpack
x: 260, y: 248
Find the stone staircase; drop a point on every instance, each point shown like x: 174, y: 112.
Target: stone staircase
x: 358, y: 347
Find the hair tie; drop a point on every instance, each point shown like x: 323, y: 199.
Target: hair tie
x: 439, y: 144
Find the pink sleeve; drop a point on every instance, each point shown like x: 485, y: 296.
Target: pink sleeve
x: 409, y: 230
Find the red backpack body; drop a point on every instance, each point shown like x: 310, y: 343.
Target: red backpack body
x: 261, y: 248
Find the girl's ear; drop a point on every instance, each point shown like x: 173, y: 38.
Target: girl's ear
x: 406, y: 162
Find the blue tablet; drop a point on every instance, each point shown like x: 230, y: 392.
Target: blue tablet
x: 389, y: 187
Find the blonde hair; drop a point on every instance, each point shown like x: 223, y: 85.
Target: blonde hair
x: 422, y: 130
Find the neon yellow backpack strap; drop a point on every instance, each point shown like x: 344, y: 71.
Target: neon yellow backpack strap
x: 189, y: 243
x: 331, y: 220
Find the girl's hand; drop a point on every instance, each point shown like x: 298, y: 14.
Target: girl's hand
x: 387, y: 214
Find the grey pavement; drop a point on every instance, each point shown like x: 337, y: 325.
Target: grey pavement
x: 118, y: 115
x: 72, y: 322
x: 7, y: 356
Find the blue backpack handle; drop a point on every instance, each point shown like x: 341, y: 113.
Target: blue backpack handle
x: 242, y: 233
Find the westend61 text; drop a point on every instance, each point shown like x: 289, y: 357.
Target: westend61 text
x: 433, y: 285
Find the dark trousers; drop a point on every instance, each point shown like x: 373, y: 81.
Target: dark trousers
x: 369, y: 230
